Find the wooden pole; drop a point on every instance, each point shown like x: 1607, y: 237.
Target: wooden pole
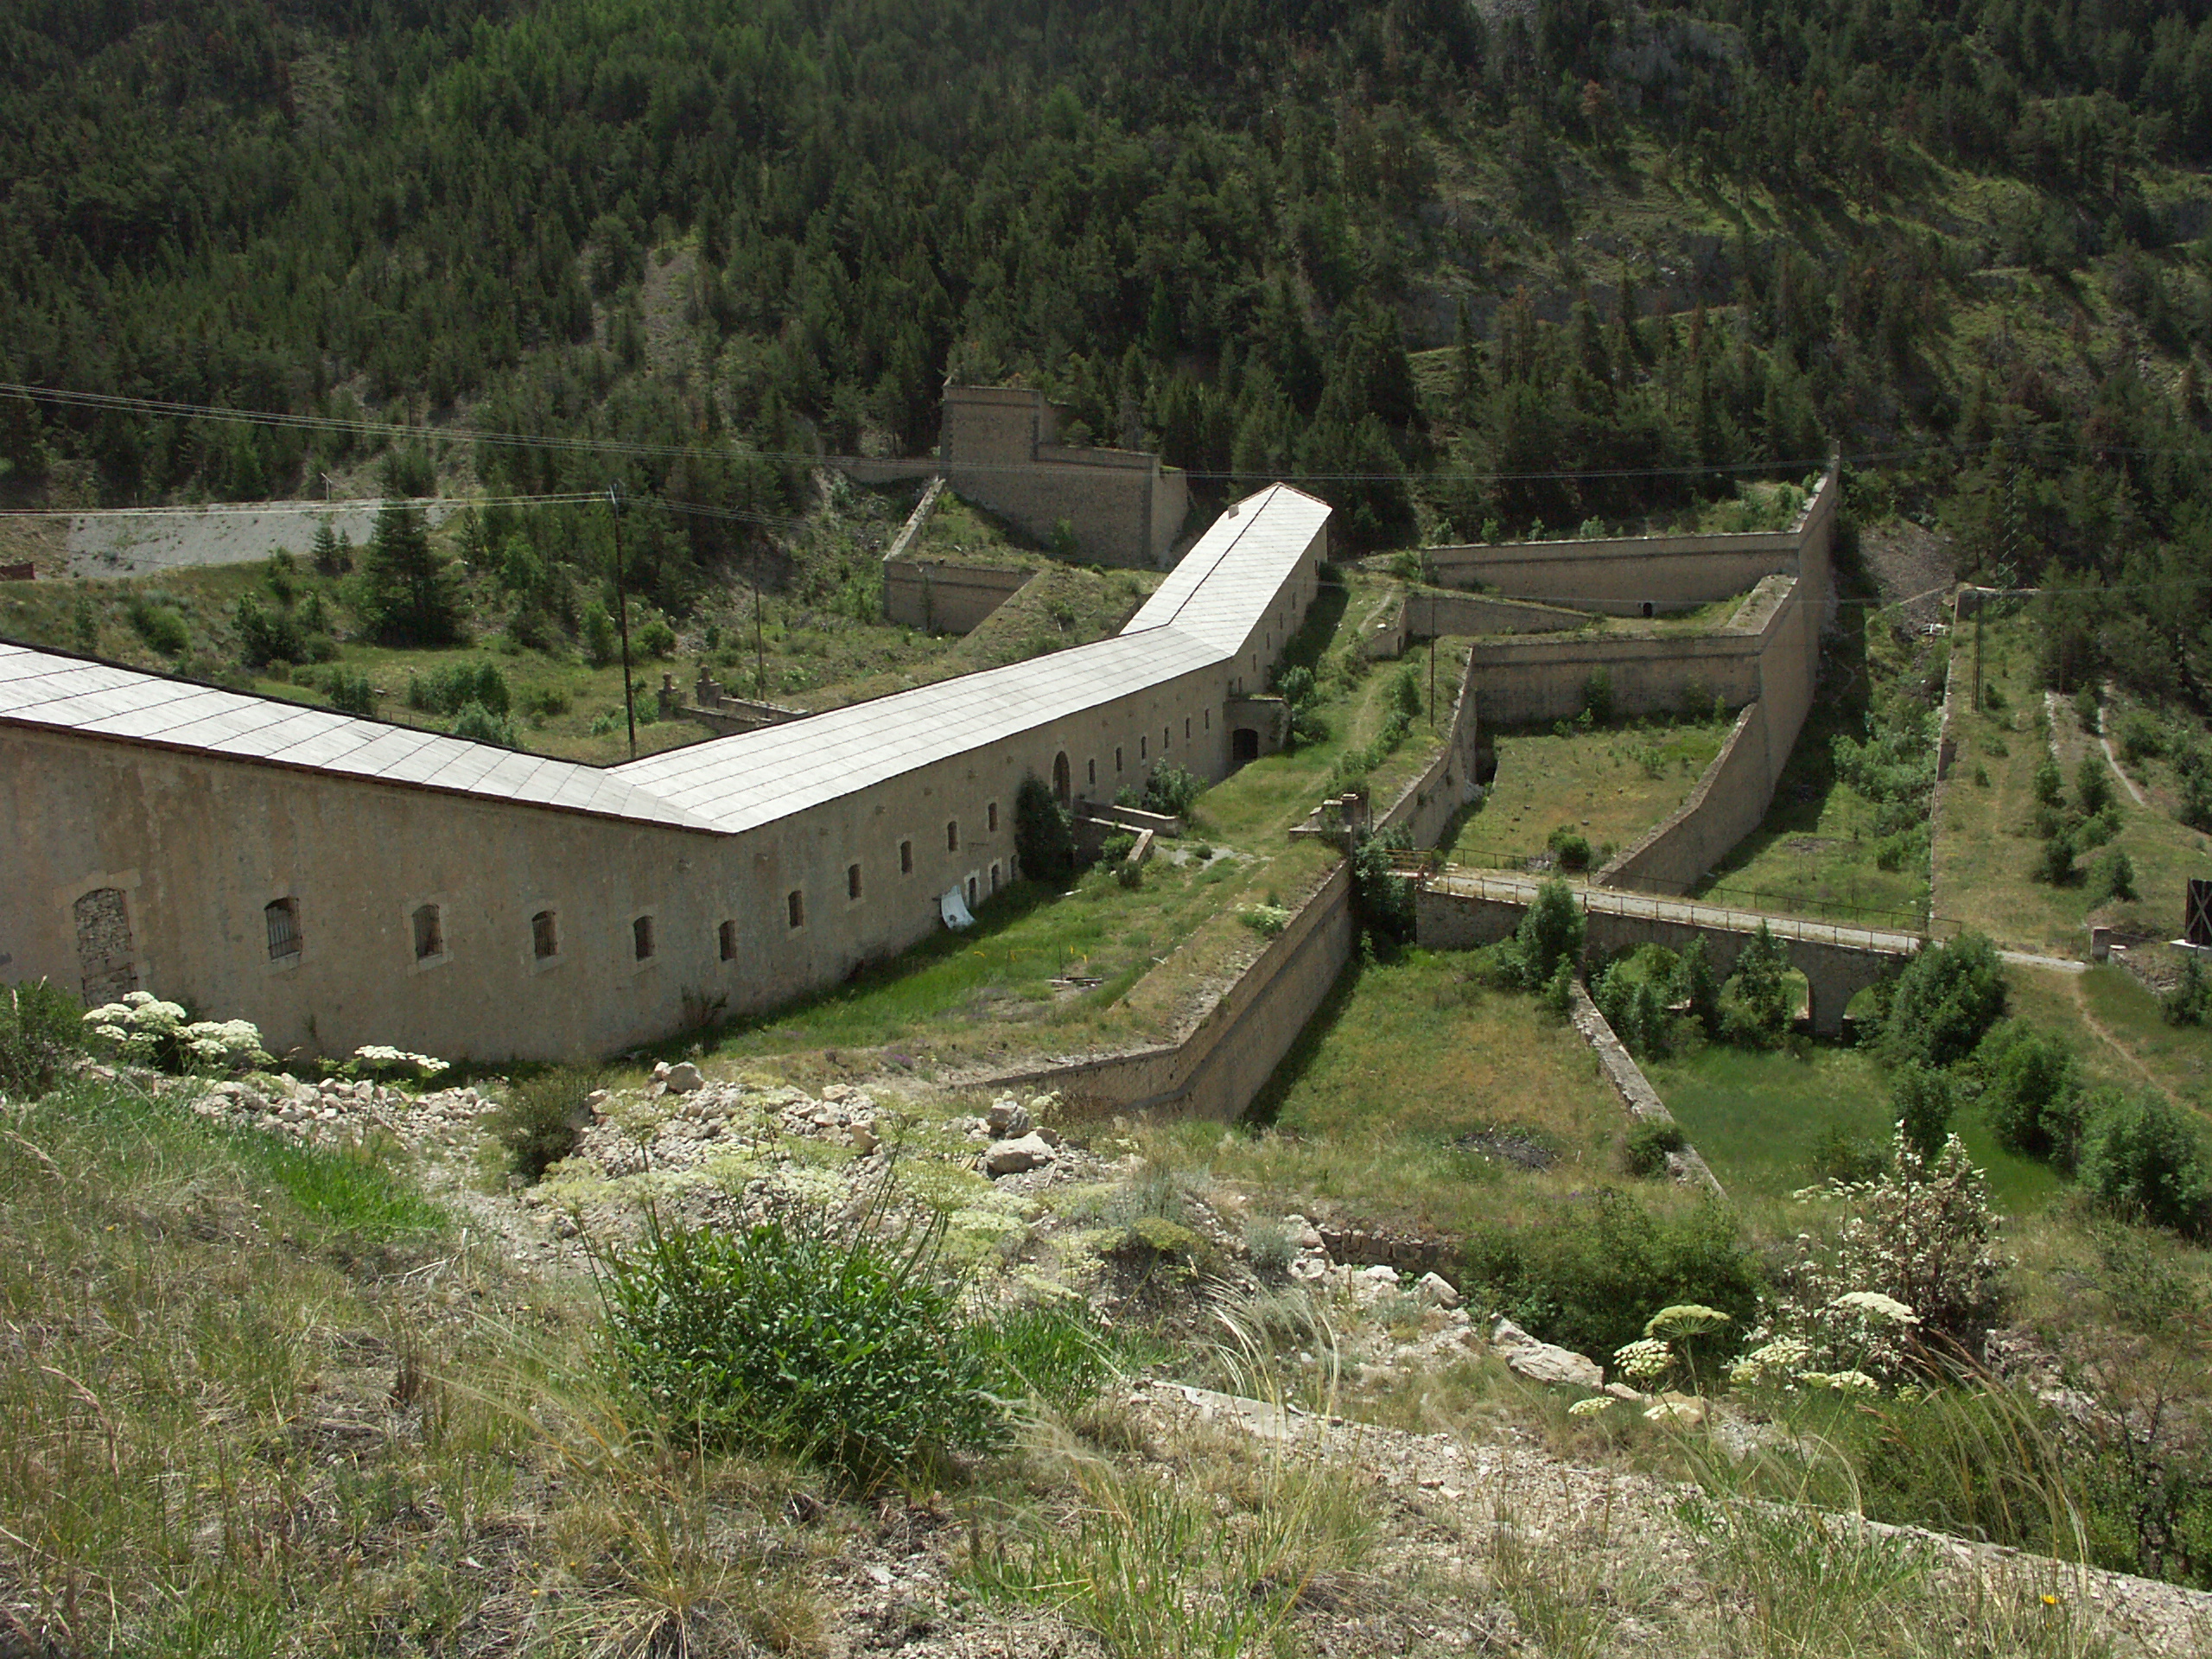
x: 622, y: 618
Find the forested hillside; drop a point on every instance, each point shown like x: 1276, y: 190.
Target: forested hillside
x: 1643, y: 246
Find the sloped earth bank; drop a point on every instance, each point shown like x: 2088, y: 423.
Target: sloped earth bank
x: 1472, y: 1541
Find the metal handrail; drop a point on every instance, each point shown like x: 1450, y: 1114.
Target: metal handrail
x: 1782, y: 904
x: 1691, y: 912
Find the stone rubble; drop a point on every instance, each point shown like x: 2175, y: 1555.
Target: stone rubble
x: 1542, y: 1362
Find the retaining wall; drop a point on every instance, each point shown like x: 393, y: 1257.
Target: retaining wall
x: 1643, y: 575
x: 947, y: 598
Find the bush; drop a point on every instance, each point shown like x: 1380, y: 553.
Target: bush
x: 1172, y: 791
x: 2112, y: 876
x: 2054, y: 864
x: 2191, y: 996
x: 1756, y: 1003
x: 351, y: 694
x: 1590, y: 1277
x: 449, y: 690
x: 602, y: 643
x: 480, y: 725
x: 1053, y: 1351
x: 2093, y: 783
x: 2140, y: 737
x: 1117, y: 847
x: 41, y: 1031
x: 1382, y: 898
x: 656, y: 639
x: 1043, y: 834
x: 1549, y: 936
x: 1841, y: 1156
x: 1598, y: 696
x: 160, y: 624
x: 540, y: 1119
x: 2049, y: 784
x: 1696, y: 984
x: 840, y: 1343
x: 1649, y: 1143
x: 1946, y: 1000
x: 2143, y: 1156
x: 1569, y: 848
x: 1922, y: 1235
x: 2030, y: 1093
x: 1921, y: 1103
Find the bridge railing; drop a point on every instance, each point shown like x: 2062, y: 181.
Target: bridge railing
x: 1517, y: 886
x: 1920, y: 922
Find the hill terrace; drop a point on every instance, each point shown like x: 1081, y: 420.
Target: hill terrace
x: 341, y: 881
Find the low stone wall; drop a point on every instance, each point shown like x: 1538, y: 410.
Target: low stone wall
x: 1726, y: 805
x: 948, y: 598
x: 1631, y: 1085
x: 1219, y: 1064
x: 1428, y: 804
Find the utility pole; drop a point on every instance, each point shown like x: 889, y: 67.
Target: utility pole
x: 622, y: 618
x: 759, y: 652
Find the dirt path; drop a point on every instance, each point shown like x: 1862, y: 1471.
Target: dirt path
x: 2104, y: 1035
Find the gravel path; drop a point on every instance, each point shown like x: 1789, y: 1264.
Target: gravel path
x: 137, y: 541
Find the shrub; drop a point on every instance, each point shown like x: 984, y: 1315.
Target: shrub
x: 1696, y: 984
x: 1549, y: 936
x: 449, y: 691
x: 1947, y: 998
x: 840, y: 1343
x: 2050, y: 784
x: 1590, y: 1277
x: 1043, y: 834
x: 1598, y: 696
x: 602, y: 643
x: 1757, y: 1003
x: 2191, y: 996
x: 351, y: 694
x: 160, y: 624
x: 266, y: 637
x: 1117, y: 848
x: 2054, y: 864
x: 1922, y: 1235
x: 2140, y: 737
x: 540, y: 1119
x: 1405, y: 692
x: 480, y: 725
x: 1055, y: 1351
x: 1383, y: 899
x: 42, y: 1030
x: 1841, y: 1156
x: 2093, y: 783
x: 1172, y: 791
x: 2112, y: 876
x: 1649, y: 1143
x: 1570, y: 848
x: 1921, y: 1103
x: 2030, y: 1093
x: 656, y: 639
x: 2143, y: 1156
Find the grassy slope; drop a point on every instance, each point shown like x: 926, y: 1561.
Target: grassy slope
x: 1986, y: 847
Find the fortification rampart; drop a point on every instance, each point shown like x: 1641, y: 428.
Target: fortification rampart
x: 1642, y: 575
x: 946, y: 598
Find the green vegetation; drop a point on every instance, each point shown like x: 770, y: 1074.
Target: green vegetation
x: 42, y: 1030
x: 539, y: 1121
x: 1604, y: 786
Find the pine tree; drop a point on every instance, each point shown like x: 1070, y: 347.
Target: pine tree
x: 408, y: 594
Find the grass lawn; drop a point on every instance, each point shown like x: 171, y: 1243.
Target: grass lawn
x: 1366, y: 1115
x: 1987, y: 847
x: 1757, y: 1116
x: 2115, y: 1027
x: 1609, y: 784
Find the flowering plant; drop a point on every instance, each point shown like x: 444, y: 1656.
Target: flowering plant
x: 382, y: 1061
x: 142, y: 1030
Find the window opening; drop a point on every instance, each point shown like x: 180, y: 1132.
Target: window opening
x: 952, y: 835
x: 852, y: 880
x: 991, y: 818
x: 545, y: 935
x: 729, y: 941
x: 282, y: 917
x: 641, y: 937
x: 905, y: 858
x: 796, y: 905
x: 429, y: 933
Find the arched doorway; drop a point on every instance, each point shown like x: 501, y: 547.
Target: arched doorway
x: 1243, y: 744
x: 1060, y: 786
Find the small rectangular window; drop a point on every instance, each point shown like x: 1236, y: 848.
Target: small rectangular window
x: 1117, y: 758
x: 1092, y: 766
x: 952, y: 835
x: 429, y: 933
x: 1163, y: 740
x: 283, y: 915
x: 905, y: 858
x: 1143, y: 747
x: 991, y: 818
x: 1208, y: 719
x: 729, y: 941
x: 1186, y: 728
x: 545, y: 935
x: 852, y: 880
x: 994, y: 878
x: 641, y: 938
x: 794, y: 904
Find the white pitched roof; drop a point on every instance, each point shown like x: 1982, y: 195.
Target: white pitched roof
x: 39, y: 688
x: 1200, y: 615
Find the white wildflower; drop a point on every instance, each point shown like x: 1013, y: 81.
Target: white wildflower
x: 1684, y: 1319
x: 1646, y: 1361
x: 1874, y: 1304
x: 1596, y: 1404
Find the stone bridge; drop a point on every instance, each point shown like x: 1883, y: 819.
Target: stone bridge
x: 1457, y: 908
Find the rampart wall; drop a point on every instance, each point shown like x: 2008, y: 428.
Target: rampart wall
x: 1643, y: 575
x: 948, y: 598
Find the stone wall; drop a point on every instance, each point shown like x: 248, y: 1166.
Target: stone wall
x: 1643, y: 575
x: 1429, y: 803
x: 947, y: 598
x: 1001, y: 449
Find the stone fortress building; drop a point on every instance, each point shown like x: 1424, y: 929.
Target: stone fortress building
x: 341, y: 881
